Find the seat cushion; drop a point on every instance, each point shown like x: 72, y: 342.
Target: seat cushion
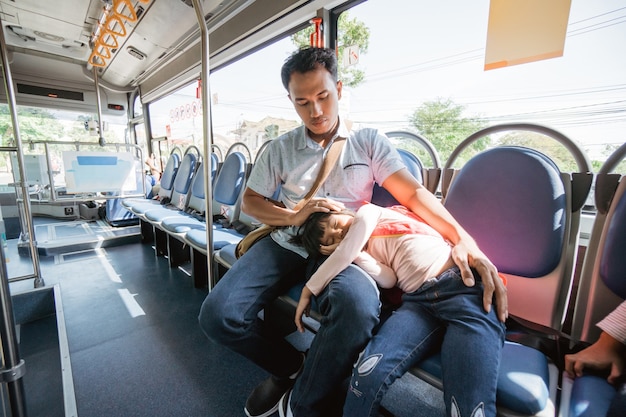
x: 591, y: 397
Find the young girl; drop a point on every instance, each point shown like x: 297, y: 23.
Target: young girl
x: 396, y: 248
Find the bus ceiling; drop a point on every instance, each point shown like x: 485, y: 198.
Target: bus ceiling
x: 129, y: 41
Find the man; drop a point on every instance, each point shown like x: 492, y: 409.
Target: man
x: 349, y: 304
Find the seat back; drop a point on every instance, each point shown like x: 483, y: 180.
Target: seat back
x: 418, y: 146
x: 215, y: 166
x: 197, y: 200
x: 182, y: 182
x: 197, y: 203
x: 229, y: 186
x: 602, y: 285
x: 519, y: 208
x: 168, y: 176
x: 381, y: 197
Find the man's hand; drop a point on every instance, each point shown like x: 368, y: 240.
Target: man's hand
x: 467, y: 257
x: 316, y: 205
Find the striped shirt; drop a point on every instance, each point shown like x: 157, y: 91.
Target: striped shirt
x: 615, y: 323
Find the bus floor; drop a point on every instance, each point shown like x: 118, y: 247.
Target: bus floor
x: 136, y: 348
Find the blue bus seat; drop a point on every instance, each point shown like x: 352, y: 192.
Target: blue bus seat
x: 429, y: 177
x: 602, y: 287
x: 169, y: 207
x: 166, y: 186
x: 225, y: 255
x: 381, y: 197
x: 227, y: 192
x: 519, y: 208
x: 193, y: 217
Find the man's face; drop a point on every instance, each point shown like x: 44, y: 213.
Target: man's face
x: 315, y: 96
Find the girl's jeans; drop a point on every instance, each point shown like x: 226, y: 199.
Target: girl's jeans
x: 441, y: 309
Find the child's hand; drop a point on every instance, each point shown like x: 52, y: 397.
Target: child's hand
x: 304, y: 307
x: 327, y: 250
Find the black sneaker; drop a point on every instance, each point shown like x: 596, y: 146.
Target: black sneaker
x: 265, y: 398
x: 284, y: 409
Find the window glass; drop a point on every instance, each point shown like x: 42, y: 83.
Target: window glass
x: 137, y: 106
x: 424, y: 71
x: 39, y: 126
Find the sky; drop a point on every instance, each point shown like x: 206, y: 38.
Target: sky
x: 428, y: 50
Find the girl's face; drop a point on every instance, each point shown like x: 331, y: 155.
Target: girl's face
x: 335, y: 228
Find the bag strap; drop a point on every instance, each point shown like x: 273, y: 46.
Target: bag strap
x: 327, y: 165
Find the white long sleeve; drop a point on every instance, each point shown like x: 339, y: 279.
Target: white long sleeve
x: 365, y: 221
x: 615, y: 323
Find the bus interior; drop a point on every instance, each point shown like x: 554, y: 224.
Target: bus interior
x: 102, y: 283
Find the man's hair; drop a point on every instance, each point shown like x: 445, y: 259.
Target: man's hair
x: 309, y: 59
x: 310, y: 233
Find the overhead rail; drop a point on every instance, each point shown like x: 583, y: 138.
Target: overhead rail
x: 111, y: 25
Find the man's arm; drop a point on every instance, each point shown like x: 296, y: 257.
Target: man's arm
x: 465, y: 252
x: 268, y: 212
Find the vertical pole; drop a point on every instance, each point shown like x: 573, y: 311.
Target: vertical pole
x: 207, y: 136
x: 98, y: 106
x: 30, y: 230
x: 12, y: 366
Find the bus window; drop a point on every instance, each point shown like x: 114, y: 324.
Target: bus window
x: 424, y: 71
x: 177, y: 116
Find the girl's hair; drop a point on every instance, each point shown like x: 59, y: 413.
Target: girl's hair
x: 310, y: 233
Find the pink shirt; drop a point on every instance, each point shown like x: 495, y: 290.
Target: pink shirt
x: 399, y: 249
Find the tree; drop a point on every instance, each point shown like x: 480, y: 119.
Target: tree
x: 351, y: 33
x: 546, y: 145
x: 271, y: 131
x: 36, y: 124
x: 442, y: 123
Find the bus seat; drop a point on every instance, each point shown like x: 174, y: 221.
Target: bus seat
x: 431, y: 176
x: 381, y: 197
x: 602, y: 287
x: 227, y: 192
x: 166, y: 186
x: 115, y: 213
x: 229, y: 186
x: 225, y: 256
x: 519, y: 208
x: 193, y: 217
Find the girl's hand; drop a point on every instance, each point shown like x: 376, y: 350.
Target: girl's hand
x: 304, y: 307
x: 327, y: 250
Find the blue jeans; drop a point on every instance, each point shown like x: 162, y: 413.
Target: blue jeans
x: 442, y: 309
x: 349, y: 306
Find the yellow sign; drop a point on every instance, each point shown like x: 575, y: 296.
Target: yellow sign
x: 522, y: 31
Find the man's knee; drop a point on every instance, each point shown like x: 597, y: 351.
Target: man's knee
x: 358, y: 303
x: 213, y: 321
